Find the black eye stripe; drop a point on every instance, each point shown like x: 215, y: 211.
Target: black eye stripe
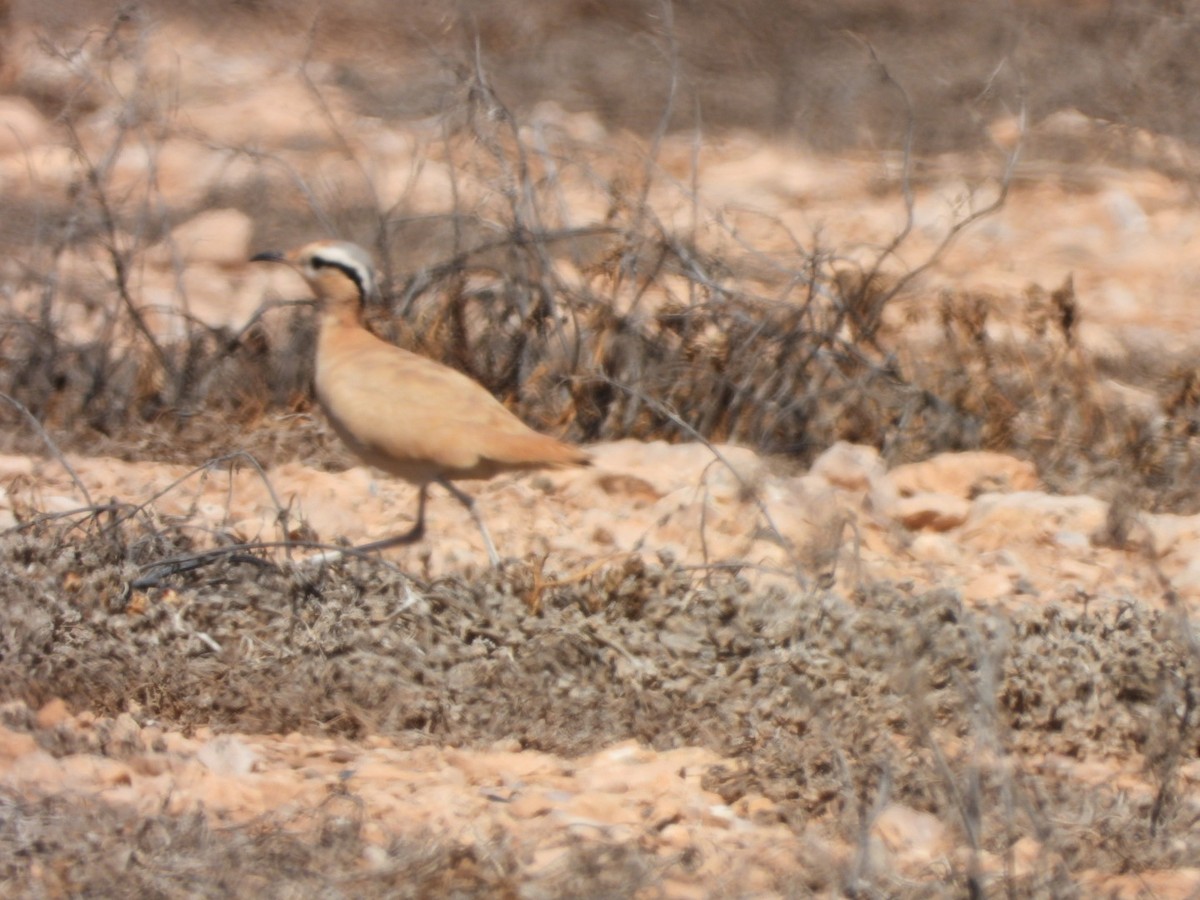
x: 349, y: 271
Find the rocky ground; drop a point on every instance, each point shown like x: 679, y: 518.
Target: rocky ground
x: 927, y: 635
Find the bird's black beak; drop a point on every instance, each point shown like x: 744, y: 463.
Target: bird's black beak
x: 268, y: 256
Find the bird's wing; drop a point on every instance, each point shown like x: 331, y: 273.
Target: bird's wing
x: 411, y: 410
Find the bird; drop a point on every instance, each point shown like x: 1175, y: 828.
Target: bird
x: 403, y: 413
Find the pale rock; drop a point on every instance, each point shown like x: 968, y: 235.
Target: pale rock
x: 82, y: 771
x: 529, y: 805
x: 756, y: 807
x: 428, y: 186
x: 218, y: 237
x: 718, y: 815
x: 1025, y: 851
x: 1187, y: 581
x: 881, y: 499
x: 584, y: 127
x: 1116, y: 396
x: 598, y: 809
x: 501, y: 766
x: 1191, y: 771
x: 988, y: 586
x: 998, y: 520
x: 1127, y: 214
x: 937, y: 512
x: 851, y: 467
x: 688, y: 465
x: 27, y: 768
x: 666, y: 809
x: 227, y: 755
x: 675, y: 837
x: 15, y: 744
x: 803, y: 509
x: 180, y: 171
x: 1172, y: 534
x: 1102, y: 343
x: 1079, y: 575
x: 506, y: 745
x: 204, y: 292
x: 937, y: 549
x: 43, y: 167
x: 376, y: 857
x: 1071, y: 541
x: 1119, y: 300
x: 22, y: 127
x: 916, y: 839
x: 965, y: 475
x: 152, y: 765
x: 1007, y: 132
x: 52, y: 714
x: 38, y: 65
x: 762, y: 176
x: 735, y: 476
x: 1180, y: 883
x: 274, y: 113
x: 15, y: 466
x: 122, y: 736
x: 653, y: 778
x: 231, y: 798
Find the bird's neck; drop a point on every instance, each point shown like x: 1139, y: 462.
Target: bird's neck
x: 341, y: 315
x: 340, y: 301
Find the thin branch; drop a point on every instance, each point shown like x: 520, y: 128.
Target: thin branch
x: 156, y: 572
x: 53, y: 447
x: 670, y: 414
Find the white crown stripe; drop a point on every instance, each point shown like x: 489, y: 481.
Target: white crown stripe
x: 348, y: 257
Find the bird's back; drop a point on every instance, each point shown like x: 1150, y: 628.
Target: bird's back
x: 418, y: 419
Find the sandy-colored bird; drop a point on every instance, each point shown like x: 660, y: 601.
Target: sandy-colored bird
x: 403, y: 413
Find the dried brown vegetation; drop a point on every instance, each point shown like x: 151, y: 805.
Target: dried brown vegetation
x: 643, y: 326
x: 655, y: 335
x: 946, y: 700
x: 659, y: 334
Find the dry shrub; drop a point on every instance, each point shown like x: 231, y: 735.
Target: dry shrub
x: 656, y: 334
x: 629, y: 327
x: 952, y: 710
x: 68, y: 845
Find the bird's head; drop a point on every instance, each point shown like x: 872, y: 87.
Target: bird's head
x: 337, y: 271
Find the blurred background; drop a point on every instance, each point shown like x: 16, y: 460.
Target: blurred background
x: 924, y: 226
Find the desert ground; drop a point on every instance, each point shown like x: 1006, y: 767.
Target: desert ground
x: 879, y: 323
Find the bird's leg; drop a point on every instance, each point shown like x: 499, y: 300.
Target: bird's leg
x: 414, y: 534
x: 469, y: 502
x: 411, y: 536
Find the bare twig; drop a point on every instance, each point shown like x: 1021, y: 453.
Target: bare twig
x: 763, y: 511
x: 51, y: 446
x: 156, y: 572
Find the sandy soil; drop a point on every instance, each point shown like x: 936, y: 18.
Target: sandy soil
x: 702, y: 671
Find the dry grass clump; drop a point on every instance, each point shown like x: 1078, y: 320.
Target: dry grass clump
x: 79, y: 846
x: 1019, y: 380
x: 954, y: 712
x: 648, y: 325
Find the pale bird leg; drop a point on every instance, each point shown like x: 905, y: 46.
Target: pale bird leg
x: 411, y: 536
x: 469, y: 502
x: 415, y: 533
